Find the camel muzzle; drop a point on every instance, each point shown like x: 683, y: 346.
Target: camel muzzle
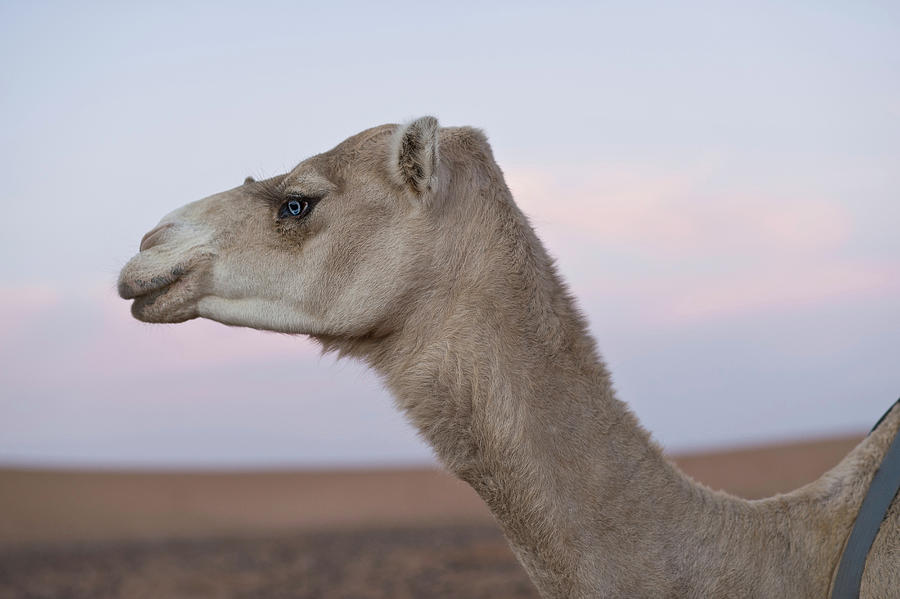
x: 164, y: 278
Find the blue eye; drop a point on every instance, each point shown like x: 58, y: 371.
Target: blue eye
x: 296, y: 207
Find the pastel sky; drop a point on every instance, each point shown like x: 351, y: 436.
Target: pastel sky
x: 720, y: 186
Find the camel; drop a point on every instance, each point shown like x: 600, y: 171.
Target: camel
x: 403, y: 247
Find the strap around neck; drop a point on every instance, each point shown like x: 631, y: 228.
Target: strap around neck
x: 881, y: 493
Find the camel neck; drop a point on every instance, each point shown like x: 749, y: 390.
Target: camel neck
x: 590, y: 505
x: 524, y: 411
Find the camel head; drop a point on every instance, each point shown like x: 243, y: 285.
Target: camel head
x: 331, y: 248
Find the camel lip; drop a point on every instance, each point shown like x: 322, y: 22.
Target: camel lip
x: 162, y: 305
x: 137, y: 288
x: 149, y: 298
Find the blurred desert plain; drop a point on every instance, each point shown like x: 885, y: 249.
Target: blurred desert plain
x: 719, y: 185
x: 365, y: 534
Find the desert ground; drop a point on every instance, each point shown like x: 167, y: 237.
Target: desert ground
x: 414, y: 533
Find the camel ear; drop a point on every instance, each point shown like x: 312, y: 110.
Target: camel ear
x: 414, y: 155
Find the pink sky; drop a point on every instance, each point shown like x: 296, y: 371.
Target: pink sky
x: 720, y: 188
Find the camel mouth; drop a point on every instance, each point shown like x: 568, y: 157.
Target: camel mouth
x: 160, y: 296
x: 166, y: 301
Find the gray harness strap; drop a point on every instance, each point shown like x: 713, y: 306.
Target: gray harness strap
x: 874, y: 507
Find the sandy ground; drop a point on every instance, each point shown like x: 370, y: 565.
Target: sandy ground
x: 366, y: 534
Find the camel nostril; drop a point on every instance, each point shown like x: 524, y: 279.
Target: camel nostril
x: 153, y: 237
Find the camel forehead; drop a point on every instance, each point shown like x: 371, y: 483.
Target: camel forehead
x: 364, y: 140
x: 326, y: 171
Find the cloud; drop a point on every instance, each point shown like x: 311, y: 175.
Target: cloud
x: 89, y: 333
x: 778, y: 287
x: 647, y: 209
x: 19, y: 305
x: 675, y: 248
x: 85, y: 384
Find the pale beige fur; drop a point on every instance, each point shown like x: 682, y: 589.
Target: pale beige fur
x: 417, y: 261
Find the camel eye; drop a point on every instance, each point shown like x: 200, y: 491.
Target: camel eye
x: 298, y: 208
